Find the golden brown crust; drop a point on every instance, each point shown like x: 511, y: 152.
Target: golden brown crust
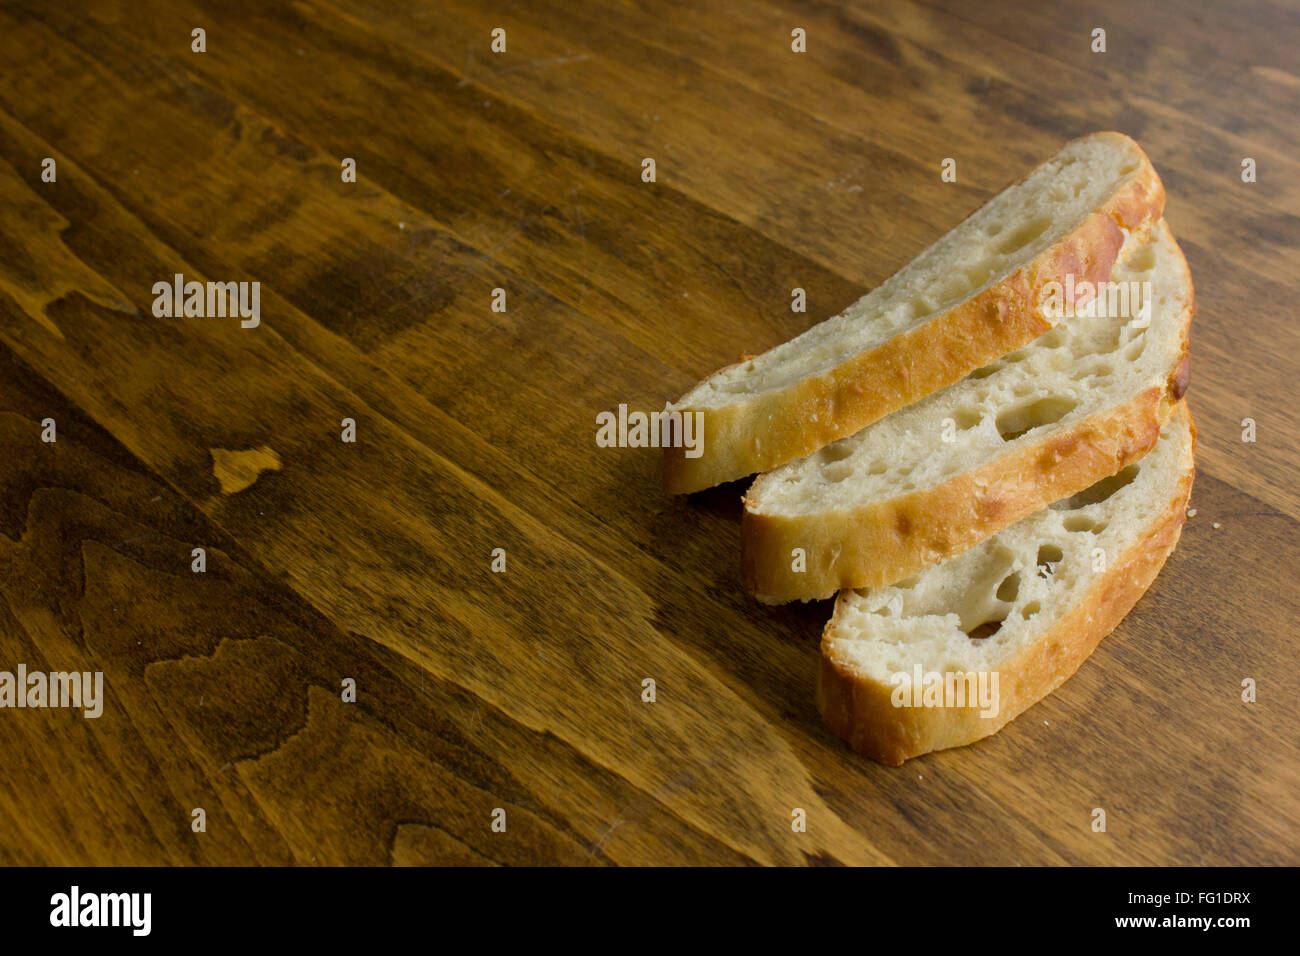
x: 773, y: 428
x: 861, y: 711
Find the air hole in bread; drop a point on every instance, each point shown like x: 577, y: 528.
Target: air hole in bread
x: 878, y: 468
x: 1009, y: 588
x: 1049, y: 555
x: 907, y: 584
x: 966, y: 418
x: 1078, y: 523
x: 986, y: 371
x: 836, y: 452
x: 915, y: 309
x: 1143, y: 259
x: 985, y: 630
x: 1100, y: 491
x: 1015, y: 422
x: 1030, y: 609
x: 1023, y: 236
x: 891, y: 608
x: 992, y: 229
x: 837, y: 472
x: 1134, y: 351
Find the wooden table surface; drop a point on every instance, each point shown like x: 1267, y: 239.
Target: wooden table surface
x: 475, y: 429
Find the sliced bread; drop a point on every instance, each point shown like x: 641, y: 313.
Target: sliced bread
x: 1024, y: 609
x: 933, y: 479
x: 970, y: 298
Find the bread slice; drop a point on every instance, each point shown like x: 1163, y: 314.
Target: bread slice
x: 971, y: 297
x: 1028, y: 605
x: 929, y: 481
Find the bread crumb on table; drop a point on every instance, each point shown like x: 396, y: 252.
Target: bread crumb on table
x: 1191, y: 512
x: 1216, y: 525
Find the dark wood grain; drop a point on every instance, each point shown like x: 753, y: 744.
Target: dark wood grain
x: 521, y: 690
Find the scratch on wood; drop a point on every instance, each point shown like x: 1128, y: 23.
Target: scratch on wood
x: 598, y: 845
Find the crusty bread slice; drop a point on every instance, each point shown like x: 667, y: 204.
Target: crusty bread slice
x: 929, y: 481
x: 971, y: 297
x: 1028, y: 605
